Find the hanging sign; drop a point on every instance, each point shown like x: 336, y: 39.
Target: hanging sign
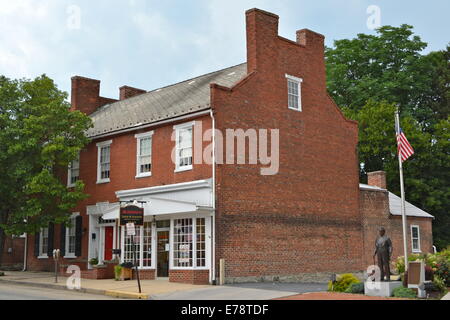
x: 132, y: 214
x: 131, y: 229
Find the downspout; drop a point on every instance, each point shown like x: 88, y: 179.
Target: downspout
x: 213, y: 246
x: 25, y: 251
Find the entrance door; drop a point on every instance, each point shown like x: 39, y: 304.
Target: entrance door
x: 163, y: 254
x: 109, y: 236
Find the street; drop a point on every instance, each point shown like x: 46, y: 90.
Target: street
x: 20, y: 292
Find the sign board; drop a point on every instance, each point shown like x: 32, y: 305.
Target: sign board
x: 132, y: 214
x: 184, y: 250
x: 416, y: 277
x: 131, y: 229
x: 416, y: 273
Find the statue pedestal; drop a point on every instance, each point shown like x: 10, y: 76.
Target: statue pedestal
x: 381, y: 289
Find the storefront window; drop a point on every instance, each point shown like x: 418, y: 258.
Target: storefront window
x: 201, y: 243
x: 182, y: 242
x: 147, y: 245
x: 129, y: 249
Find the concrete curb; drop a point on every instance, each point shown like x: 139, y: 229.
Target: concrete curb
x: 54, y: 286
x: 126, y: 295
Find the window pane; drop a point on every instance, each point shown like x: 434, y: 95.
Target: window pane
x: 145, y: 158
x: 201, y: 243
x: 415, y: 232
x: 128, y: 255
x: 105, y: 162
x: 183, y: 243
x: 147, y: 245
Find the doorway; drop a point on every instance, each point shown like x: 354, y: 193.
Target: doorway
x: 109, y: 238
x: 163, y: 253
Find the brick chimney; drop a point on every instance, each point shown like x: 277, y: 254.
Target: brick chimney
x: 128, y: 92
x: 262, y: 34
x: 377, y: 179
x: 86, y: 95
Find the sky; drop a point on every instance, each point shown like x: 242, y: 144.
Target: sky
x: 150, y: 44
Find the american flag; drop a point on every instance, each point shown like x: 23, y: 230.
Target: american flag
x: 405, y: 150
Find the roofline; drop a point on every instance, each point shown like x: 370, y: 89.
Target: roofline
x: 414, y: 217
x: 153, y: 124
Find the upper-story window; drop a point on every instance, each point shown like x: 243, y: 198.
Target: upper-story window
x: 184, y: 146
x: 294, y: 92
x: 144, y: 154
x: 104, y: 162
x: 74, y: 172
x: 415, y: 238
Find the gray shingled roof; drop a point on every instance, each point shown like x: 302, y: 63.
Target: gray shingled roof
x: 396, y: 202
x: 172, y: 101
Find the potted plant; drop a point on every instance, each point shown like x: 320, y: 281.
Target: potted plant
x: 93, y: 262
x: 126, y: 271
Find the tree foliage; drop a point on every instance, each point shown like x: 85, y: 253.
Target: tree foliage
x: 39, y: 137
x: 369, y: 77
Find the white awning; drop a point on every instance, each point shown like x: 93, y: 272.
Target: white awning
x: 112, y: 213
x: 155, y: 207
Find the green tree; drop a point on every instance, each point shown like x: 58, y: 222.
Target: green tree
x: 39, y: 137
x: 386, y: 66
x: 368, y: 77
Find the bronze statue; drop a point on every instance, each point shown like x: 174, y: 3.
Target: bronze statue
x: 383, y: 251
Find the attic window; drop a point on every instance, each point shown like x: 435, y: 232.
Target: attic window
x: 294, y: 92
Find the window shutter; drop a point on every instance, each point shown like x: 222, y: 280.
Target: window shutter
x: 63, y: 240
x: 36, y: 244
x: 51, y: 238
x: 78, y: 235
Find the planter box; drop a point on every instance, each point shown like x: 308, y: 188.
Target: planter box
x: 127, y: 274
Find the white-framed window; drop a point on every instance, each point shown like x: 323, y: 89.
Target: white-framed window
x: 415, y: 238
x: 74, y: 172
x: 143, y: 244
x: 184, y: 146
x: 189, y: 243
x: 104, y: 162
x: 71, y: 237
x: 43, y: 243
x: 294, y: 85
x: 144, y: 155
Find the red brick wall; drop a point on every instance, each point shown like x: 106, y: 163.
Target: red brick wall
x: 189, y: 276
x: 305, y: 218
x: 16, y: 256
x: 123, y: 177
x: 375, y: 214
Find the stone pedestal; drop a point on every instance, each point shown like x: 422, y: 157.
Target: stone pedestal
x: 381, y: 289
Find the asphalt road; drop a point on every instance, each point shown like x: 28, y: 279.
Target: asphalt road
x: 20, y: 292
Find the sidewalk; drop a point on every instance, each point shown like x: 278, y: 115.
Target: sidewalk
x: 120, y: 289
x: 446, y: 297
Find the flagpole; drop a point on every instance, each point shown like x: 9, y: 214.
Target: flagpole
x: 402, y: 190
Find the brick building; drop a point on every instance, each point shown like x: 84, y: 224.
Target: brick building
x: 310, y: 219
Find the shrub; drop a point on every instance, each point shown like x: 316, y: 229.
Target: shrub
x: 443, y: 269
x: 342, y: 283
x: 93, y: 261
x: 355, y: 288
x: 2, y: 274
x: 399, y: 264
x: 439, y: 284
x: 117, y: 271
x: 402, y: 292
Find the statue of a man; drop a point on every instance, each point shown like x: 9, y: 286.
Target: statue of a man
x: 383, y: 251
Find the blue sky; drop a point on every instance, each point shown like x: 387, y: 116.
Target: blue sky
x: 149, y: 44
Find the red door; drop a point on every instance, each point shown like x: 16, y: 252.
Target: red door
x: 109, y: 236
